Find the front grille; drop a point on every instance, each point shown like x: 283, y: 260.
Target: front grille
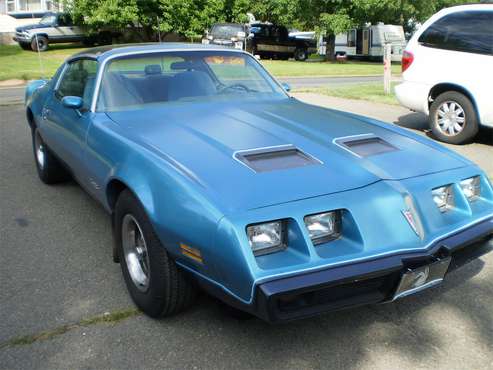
x: 366, y: 291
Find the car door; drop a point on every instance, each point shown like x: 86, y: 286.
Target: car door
x: 458, y: 49
x: 66, y: 31
x: 64, y: 129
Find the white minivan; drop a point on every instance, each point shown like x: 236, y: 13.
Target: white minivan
x: 448, y: 72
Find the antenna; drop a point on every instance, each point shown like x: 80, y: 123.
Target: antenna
x: 41, y: 69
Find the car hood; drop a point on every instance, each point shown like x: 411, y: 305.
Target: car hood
x: 31, y: 27
x: 204, y: 138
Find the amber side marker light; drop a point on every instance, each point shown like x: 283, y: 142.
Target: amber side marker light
x: 192, y: 253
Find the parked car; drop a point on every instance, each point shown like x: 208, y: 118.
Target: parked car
x: 215, y: 177
x: 447, y: 72
x: 56, y: 28
x: 272, y: 41
x: 227, y: 34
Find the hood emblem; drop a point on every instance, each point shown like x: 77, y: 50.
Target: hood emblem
x: 408, y: 215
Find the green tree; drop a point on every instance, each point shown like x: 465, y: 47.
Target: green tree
x: 190, y: 17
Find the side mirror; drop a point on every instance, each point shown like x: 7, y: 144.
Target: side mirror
x: 72, y: 102
x: 286, y: 86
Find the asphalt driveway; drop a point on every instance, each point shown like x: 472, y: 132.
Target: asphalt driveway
x: 63, y: 303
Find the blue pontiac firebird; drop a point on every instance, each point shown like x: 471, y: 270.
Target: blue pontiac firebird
x: 216, y: 178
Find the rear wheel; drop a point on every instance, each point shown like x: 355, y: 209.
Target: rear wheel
x: 453, y: 118
x: 153, y: 280
x: 105, y: 38
x: 39, y: 43
x: 50, y: 170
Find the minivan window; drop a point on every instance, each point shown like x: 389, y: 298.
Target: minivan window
x: 470, y: 32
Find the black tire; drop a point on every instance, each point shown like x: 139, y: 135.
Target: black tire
x: 168, y: 290
x: 468, y: 116
x: 300, y: 54
x: 105, y: 38
x: 39, y: 43
x: 255, y: 51
x: 25, y: 45
x: 49, y: 168
x: 89, y: 41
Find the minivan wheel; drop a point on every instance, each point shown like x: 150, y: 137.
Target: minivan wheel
x: 453, y: 118
x: 39, y: 43
x: 154, y: 281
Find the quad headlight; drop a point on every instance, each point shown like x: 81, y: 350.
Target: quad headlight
x: 323, y: 227
x: 471, y: 187
x: 443, y: 197
x: 266, y: 237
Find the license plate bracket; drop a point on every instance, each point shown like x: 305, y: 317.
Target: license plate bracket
x: 421, y: 278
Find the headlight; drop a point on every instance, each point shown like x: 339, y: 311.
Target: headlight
x: 471, y: 187
x: 443, y: 197
x: 323, y: 227
x: 267, y: 237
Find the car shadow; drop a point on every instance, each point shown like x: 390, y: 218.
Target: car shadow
x: 419, y: 122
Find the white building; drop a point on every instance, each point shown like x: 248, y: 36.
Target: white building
x: 15, y: 13
x: 18, y: 7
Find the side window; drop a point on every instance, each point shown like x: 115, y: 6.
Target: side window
x: 78, y: 79
x: 351, y: 38
x: 470, y: 32
x: 64, y: 20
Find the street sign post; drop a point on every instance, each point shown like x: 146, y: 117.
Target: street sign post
x: 387, y: 67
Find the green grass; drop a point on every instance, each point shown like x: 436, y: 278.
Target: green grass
x: 291, y: 68
x: 24, y: 65
x: 371, y: 92
x: 108, y: 318
x: 16, y: 63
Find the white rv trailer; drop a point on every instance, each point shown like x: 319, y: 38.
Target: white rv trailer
x: 368, y: 42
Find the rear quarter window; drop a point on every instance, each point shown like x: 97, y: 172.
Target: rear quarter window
x: 470, y: 32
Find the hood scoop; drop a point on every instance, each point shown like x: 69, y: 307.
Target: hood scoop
x: 274, y: 158
x: 365, y: 145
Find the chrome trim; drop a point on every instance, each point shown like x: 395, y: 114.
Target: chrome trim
x: 260, y: 150
x: 270, y: 149
x: 336, y: 141
x: 102, y: 66
x: 57, y: 85
x: 417, y: 289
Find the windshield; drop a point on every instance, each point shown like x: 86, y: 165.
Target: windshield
x: 135, y: 81
x: 226, y: 31
x: 48, y: 19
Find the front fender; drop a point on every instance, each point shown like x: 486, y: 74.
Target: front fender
x: 31, y: 88
x: 177, y: 208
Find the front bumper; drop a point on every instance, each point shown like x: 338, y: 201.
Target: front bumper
x: 368, y: 282
x: 22, y: 38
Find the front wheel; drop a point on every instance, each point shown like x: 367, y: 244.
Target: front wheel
x: 300, y: 54
x: 453, y: 118
x: 39, y: 43
x: 153, y: 280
